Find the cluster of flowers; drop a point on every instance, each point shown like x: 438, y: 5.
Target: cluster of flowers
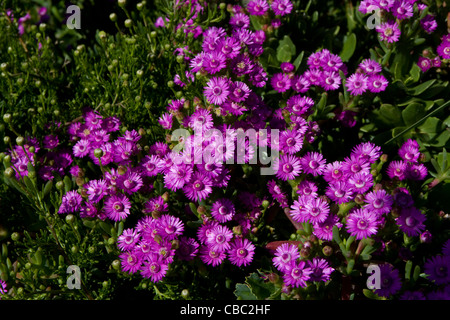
x: 21, y: 22
x: 394, y: 12
x: 296, y: 272
x: 436, y: 268
x: 53, y: 160
x: 323, y: 71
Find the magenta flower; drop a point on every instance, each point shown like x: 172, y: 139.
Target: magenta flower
x: 378, y: 201
x: 389, y: 31
x: 377, y: 83
x: 169, y: 227
x: 314, y: 210
x: 178, y: 176
x: 321, y: 271
x: 297, y: 274
x: 241, y: 252
x: 117, y: 207
x: 287, y: 167
x: 361, y: 182
x: 81, y: 148
x: 199, y: 187
x: 71, y: 202
x: 257, y: 7
x: 214, y: 61
x: 390, y: 281
x: 128, y: 239
x: 291, y: 141
x: 217, y: 90
x: 223, y: 210
x: 96, y: 190
x: 285, y: 254
x: 131, y: 261
x: 370, y: 66
x: 280, y: 82
x: 324, y: 230
x: 362, y: 223
x: 211, y: 257
x: 188, y: 249
x: 281, y: 7
x: 154, y: 268
x: 130, y: 182
x: 340, y: 192
x: 219, y: 238
x: 313, y: 163
x: 416, y: 171
x: 444, y: 49
x: 411, y: 221
x: 357, y: 84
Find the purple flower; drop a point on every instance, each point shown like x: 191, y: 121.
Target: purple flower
x: 411, y: 221
x: 370, y: 66
x: 389, y: 31
x: 166, y: 121
x: 150, y: 166
x: 378, y: 201
x: 188, y: 249
x: 291, y: 141
x: 223, y: 210
x: 357, y: 84
x: 3, y: 289
x: 402, y: 9
x: 257, y: 7
x: 71, y: 202
x: 403, y: 198
x: 280, y: 82
x: 217, y: 90
x: 239, y: 91
x: 50, y: 141
x: 444, y: 49
x: 390, y: 281
x: 154, y: 268
x: 377, y: 83
x: 240, y: 20
x: 130, y: 182
x: 241, y: 252
x: 169, y: 227
x: 156, y: 204
x: 128, y: 239
x: 287, y: 167
x: 281, y: 7
x: 285, y: 254
x: 314, y: 210
x: 362, y: 223
x: 297, y: 274
x: 81, y: 148
x: 131, y: 261
x: 339, y: 192
x: 409, y: 151
x: 396, y: 169
x: 300, y: 84
x: 331, y: 80
x: 416, y: 171
x: 178, y: 176
x: 367, y: 151
x: 198, y: 188
x: 324, y: 230
x: 424, y: 63
x: 117, y: 207
x: 214, y: 61
x: 96, y: 190
x: 307, y: 188
x: 219, y: 238
x: 361, y: 182
x: 334, y: 172
x: 211, y: 257
x: 321, y: 271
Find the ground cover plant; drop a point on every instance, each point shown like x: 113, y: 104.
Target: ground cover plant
x: 189, y: 149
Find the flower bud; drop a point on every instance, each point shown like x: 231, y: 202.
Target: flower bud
x: 70, y: 218
x: 9, y: 172
x: 122, y: 3
x: 20, y: 141
x: 327, y: 251
x: 6, y: 140
x: 113, y: 17
x: 7, y: 117
x: 116, y: 264
x: 426, y: 237
x: 98, y: 153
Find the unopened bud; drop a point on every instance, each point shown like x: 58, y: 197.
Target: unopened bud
x: 327, y: 251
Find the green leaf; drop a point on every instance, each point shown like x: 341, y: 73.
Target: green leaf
x: 408, y: 268
x: 348, y: 48
x: 259, y: 287
x: 286, y: 49
x: 243, y: 292
x: 47, y: 188
x: 255, y: 22
x: 391, y: 115
x: 336, y: 236
x: 413, y: 113
x: 415, y: 72
x: 421, y: 88
x: 298, y: 60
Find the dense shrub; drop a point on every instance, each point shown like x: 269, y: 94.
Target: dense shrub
x: 203, y: 150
